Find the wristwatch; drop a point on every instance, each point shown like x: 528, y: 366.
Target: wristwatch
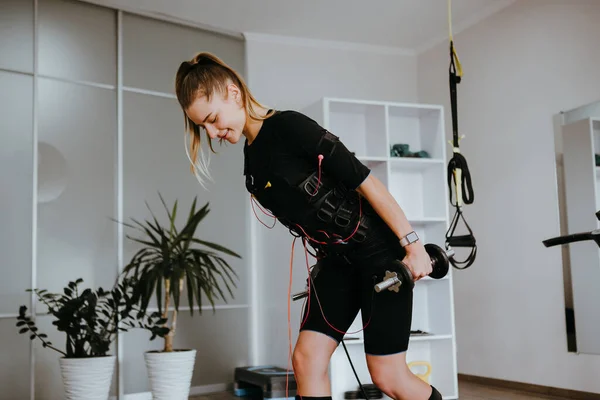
x: 408, y: 239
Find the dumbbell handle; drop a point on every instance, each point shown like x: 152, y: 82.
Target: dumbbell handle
x: 300, y: 295
x: 387, y: 283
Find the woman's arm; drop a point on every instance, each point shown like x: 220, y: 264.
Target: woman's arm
x: 388, y: 209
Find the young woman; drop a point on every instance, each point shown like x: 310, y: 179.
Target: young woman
x: 310, y: 182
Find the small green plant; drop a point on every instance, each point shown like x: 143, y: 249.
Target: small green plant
x: 90, y: 319
x: 170, y: 261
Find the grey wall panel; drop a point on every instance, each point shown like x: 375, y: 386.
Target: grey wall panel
x: 16, y: 175
x: 14, y: 361
x: 16, y: 35
x: 77, y: 41
x: 153, y: 50
x: 77, y: 190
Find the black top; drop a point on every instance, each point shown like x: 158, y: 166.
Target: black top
x: 284, y: 153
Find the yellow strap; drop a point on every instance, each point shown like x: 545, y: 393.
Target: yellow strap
x: 459, y: 71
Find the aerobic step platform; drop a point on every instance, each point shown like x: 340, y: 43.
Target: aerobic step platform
x: 264, y: 382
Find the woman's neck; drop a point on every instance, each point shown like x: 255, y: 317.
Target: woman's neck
x: 252, y: 127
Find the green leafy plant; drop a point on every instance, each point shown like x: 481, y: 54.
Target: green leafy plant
x: 170, y: 260
x: 90, y: 319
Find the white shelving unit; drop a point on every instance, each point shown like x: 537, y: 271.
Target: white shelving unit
x: 369, y: 129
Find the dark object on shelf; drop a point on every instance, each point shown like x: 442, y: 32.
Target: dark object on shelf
x: 403, y: 150
x: 597, y: 160
x: 353, y: 394
x: 400, y: 150
x: 372, y: 391
x: 268, y: 379
x: 419, y: 333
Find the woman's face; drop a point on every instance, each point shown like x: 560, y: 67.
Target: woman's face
x: 223, y: 118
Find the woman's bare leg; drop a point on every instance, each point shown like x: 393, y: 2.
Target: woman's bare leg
x: 393, y: 377
x: 311, y: 360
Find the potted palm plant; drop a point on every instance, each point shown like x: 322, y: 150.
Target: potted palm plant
x: 90, y: 320
x: 172, y: 263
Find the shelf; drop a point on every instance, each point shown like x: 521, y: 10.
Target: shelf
x: 427, y: 221
x: 361, y: 127
x: 428, y: 279
x: 419, y: 127
x: 365, y: 159
x: 350, y: 340
x: 419, y: 185
x: 416, y: 164
x: 420, y: 192
x: 429, y: 313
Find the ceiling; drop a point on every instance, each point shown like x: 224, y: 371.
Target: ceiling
x: 407, y: 24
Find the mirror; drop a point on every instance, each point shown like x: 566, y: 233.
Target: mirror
x: 577, y: 139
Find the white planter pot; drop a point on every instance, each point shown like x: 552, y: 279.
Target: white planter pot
x: 87, y: 378
x: 170, y: 373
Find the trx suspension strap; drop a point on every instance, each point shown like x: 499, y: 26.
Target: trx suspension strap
x: 457, y: 167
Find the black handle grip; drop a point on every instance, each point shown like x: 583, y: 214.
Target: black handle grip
x: 566, y: 239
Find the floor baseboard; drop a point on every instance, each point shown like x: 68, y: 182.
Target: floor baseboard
x: 531, y: 388
x: 194, y: 391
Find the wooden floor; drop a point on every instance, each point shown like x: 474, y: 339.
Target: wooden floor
x: 467, y: 391
x: 475, y: 391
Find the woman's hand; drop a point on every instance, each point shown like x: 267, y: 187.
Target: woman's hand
x: 417, y: 260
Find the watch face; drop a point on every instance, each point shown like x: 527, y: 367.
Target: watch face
x: 410, y: 238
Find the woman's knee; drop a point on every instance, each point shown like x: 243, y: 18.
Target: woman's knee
x: 312, y: 354
x: 385, y: 380
x: 393, y: 377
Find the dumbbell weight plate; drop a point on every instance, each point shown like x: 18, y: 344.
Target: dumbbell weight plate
x: 439, y: 260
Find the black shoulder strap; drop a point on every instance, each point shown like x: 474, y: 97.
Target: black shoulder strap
x: 327, y: 143
x: 246, y: 161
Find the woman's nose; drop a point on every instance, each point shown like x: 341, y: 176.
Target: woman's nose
x: 212, y: 131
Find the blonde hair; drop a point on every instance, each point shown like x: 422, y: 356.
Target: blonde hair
x: 203, y: 76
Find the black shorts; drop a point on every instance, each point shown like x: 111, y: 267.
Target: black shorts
x: 345, y: 284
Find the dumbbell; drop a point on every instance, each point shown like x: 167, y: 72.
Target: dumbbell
x: 314, y: 271
x: 440, y: 261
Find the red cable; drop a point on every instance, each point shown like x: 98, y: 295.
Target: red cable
x: 290, y: 322
x: 253, y: 201
x: 320, y: 157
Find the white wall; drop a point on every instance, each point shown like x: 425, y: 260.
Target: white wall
x: 292, y: 74
x: 522, y: 66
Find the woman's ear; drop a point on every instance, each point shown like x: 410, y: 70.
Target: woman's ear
x: 234, y: 93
